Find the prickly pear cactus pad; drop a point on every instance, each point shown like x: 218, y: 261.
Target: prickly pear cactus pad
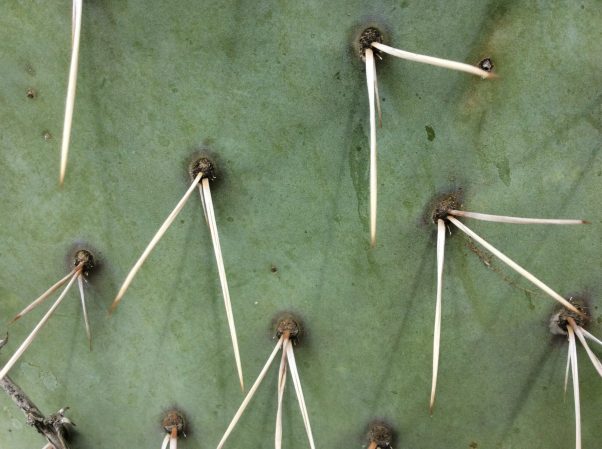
x: 276, y: 93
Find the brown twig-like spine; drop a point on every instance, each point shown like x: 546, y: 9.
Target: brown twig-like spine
x: 53, y: 427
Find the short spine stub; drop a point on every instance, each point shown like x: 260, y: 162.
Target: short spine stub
x: 367, y: 37
x: 85, y: 257
x: 174, y: 419
x: 444, y: 203
x: 559, y: 320
x: 204, y: 166
x: 381, y: 434
x: 289, y: 324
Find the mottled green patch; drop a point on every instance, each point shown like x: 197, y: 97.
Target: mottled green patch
x: 430, y: 133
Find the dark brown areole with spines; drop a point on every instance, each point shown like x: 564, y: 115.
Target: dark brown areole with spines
x: 381, y: 434
x: 288, y: 324
x: 559, y: 320
x: 204, y: 166
x: 174, y: 419
x: 443, y: 203
x: 369, y: 35
x: 85, y: 257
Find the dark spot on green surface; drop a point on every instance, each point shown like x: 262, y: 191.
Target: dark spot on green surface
x: 46, y: 135
x: 31, y: 93
x: 337, y: 76
x: 473, y: 445
x: 503, y: 170
x: 274, y: 269
x: 430, y: 133
x: 486, y: 64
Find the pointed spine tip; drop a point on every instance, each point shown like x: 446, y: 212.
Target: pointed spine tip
x: 113, y: 307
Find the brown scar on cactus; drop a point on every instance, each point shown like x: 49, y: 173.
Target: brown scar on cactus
x: 174, y: 425
x: 83, y: 264
x: 55, y: 428
x: 570, y: 324
x: 76, y: 26
x: 288, y: 331
x: 371, y: 47
x: 445, y: 212
x: 202, y: 171
x: 380, y: 435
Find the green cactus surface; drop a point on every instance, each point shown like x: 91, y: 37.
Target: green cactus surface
x: 276, y: 93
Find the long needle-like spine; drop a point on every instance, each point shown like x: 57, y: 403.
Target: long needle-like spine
x: 516, y: 267
x: 19, y: 352
x: 80, y: 284
x: 579, y: 332
x: 173, y: 439
x: 250, y: 394
x: 437, y: 331
x: 165, y: 441
x: 70, y: 101
x: 36, y: 302
x: 591, y: 337
x: 514, y: 220
x: 281, y: 385
x: 379, y: 111
x: 567, y: 369
x: 431, y: 60
x: 217, y: 249
x: 575, y: 375
x: 166, y: 224
x: 290, y: 355
x: 371, y: 80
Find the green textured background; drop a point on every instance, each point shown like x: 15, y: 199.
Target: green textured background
x: 273, y: 89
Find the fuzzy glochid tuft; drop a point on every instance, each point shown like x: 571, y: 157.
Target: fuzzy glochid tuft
x: 381, y: 434
x: 174, y: 419
x: 366, y: 38
x: 204, y: 166
x: 442, y: 204
x: 290, y: 325
x: 86, y: 258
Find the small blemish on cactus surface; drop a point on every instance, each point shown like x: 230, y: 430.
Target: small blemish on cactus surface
x: 430, y: 133
x: 486, y: 64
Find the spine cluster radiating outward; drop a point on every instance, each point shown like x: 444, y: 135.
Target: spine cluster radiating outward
x: 371, y: 45
x: 446, y: 215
